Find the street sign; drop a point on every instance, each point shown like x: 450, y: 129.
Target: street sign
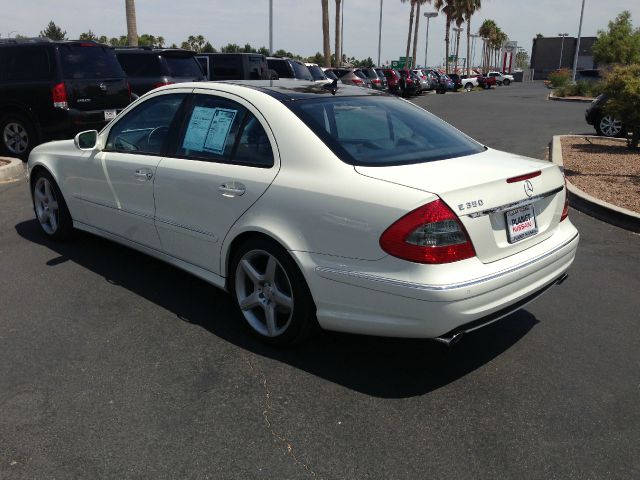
x: 452, y: 58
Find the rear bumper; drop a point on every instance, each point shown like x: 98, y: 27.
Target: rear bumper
x: 361, y: 301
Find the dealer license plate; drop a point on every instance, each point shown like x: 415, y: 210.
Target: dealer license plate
x: 109, y: 114
x: 521, y: 223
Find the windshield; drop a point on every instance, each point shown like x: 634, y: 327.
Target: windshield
x: 381, y: 131
x: 89, y: 61
x: 183, y: 66
x: 317, y: 73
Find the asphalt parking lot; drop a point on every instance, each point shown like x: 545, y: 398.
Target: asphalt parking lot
x: 115, y: 365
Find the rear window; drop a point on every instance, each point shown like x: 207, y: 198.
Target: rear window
x: 381, y: 131
x: 225, y: 67
x: 317, y: 73
x: 140, y: 64
x: 183, y: 66
x: 369, y: 73
x: 281, y: 67
x: 330, y: 75
x: 302, y: 72
x: 80, y: 62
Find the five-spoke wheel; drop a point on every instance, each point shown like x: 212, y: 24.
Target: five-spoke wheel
x: 50, y: 208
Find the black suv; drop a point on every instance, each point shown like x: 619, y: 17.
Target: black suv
x: 288, y: 68
x: 53, y: 90
x: 234, y: 66
x: 149, y: 68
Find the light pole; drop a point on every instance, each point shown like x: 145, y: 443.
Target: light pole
x: 575, y: 57
x: 270, y: 27
x: 428, y: 16
x: 561, y: 48
x: 341, y: 35
x: 380, y: 34
x: 473, y: 49
x: 455, y: 47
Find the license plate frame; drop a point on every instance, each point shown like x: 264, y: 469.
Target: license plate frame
x: 110, y: 114
x: 521, y: 223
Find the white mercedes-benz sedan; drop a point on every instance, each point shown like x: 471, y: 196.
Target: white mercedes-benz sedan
x: 347, y: 209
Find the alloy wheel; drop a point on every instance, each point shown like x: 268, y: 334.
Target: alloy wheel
x: 46, y: 206
x: 264, y: 293
x: 610, y: 127
x: 15, y: 138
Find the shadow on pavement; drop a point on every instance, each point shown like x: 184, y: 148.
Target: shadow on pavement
x: 381, y: 367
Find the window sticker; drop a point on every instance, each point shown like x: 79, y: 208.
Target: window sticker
x: 208, y: 129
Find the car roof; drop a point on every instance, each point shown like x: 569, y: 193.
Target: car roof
x: 282, y: 90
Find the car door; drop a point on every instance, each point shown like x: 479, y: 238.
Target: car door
x: 224, y: 159
x: 128, y: 164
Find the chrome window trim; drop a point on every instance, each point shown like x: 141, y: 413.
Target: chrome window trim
x: 519, y: 203
x: 449, y: 287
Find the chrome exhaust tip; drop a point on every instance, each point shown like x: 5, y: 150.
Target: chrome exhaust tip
x: 562, y: 278
x: 450, y: 341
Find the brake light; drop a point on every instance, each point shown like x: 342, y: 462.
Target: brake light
x: 429, y: 234
x: 87, y: 45
x: 59, y: 96
x: 357, y: 81
x: 376, y: 81
x: 565, y: 209
x: 524, y: 177
x: 161, y: 84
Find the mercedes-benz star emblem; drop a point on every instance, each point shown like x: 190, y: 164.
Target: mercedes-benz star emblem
x: 103, y: 87
x: 528, y: 188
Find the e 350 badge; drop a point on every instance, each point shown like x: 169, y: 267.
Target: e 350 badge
x: 469, y: 205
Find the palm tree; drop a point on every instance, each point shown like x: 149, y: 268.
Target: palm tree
x: 325, y: 33
x: 469, y: 8
x: 487, y: 31
x: 415, y: 33
x: 459, y: 19
x: 132, y: 30
x: 338, y: 54
x: 449, y: 8
x: 413, y: 5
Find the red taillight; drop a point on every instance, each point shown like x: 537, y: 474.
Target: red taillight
x: 357, y: 81
x: 565, y: 209
x: 524, y: 177
x: 59, y: 96
x: 429, y: 234
x: 161, y: 84
x: 376, y: 81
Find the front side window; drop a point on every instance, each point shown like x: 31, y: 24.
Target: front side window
x: 378, y: 131
x: 221, y: 130
x: 145, y: 129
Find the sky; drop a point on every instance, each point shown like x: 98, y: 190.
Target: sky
x: 298, y: 23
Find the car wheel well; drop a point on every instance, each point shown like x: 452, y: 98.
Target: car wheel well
x: 236, y: 243
x: 12, y: 109
x: 34, y: 173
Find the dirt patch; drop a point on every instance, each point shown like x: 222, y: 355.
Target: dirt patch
x: 603, y: 168
x: 4, y: 162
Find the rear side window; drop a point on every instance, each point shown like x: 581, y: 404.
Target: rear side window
x: 221, y: 130
x: 140, y: 64
x: 378, y: 131
x: 25, y: 64
x: 183, y: 66
x: 80, y: 62
x: 226, y: 67
x: 145, y: 129
x: 281, y: 67
x: 330, y: 75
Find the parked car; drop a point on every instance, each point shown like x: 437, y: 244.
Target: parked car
x: 149, y: 67
x: 605, y: 125
x: 52, y: 90
x: 486, y: 82
x: 444, y: 83
x: 393, y: 224
x: 425, y: 83
x: 501, y: 78
x: 432, y: 77
x: 351, y: 76
x: 376, y: 82
x: 234, y: 66
x: 457, y: 81
x: 289, y: 68
x: 393, y: 79
x: 409, y: 83
x: 329, y: 74
x: 469, y: 83
x: 319, y: 76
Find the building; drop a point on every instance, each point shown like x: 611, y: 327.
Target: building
x: 545, y: 55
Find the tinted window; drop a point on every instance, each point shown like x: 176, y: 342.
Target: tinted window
x: 226, y: 67
x: 257, y: 67
x: 281, y: 67
x: 222, y: 130
x: 80, y: 62
x: 140, y: 64
x: 382, y: 131
x: 370, y: 73
x: 317, y: 73
x: 24, y: 63
x: 145, y: 128
x: 330, y: 75
x: 204, y: 64
x: 301, y: 71
x: 183, y: 66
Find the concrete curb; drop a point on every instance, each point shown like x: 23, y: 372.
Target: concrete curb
x: 618, y: 216
x: 12, y: 172
x: 570, y: 99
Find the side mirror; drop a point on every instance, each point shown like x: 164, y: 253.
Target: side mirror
x: 86, y: 140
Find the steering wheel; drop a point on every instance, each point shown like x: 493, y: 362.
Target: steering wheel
x: 156, y: 138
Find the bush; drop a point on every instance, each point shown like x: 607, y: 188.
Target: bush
x: 622, y: 86
x: 560, y: 78
x: 580, y: 89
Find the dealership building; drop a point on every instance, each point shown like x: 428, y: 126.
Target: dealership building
x: 550, y: 53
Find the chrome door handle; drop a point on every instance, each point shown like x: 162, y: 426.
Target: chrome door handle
x: 143, y: 174
x: 232, y: 189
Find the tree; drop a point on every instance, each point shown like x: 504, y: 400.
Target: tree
x: 459, y: 20
x: 487, y: 31
x: 318, y: 58
x: 620, y: 44
x: 415, y: 31
x: 470, y: 7
x: 118, y: 42
x: 522, y: 59
x: 87, y: 36
x: 326, y: 46
x: 53, y: 32
x: 411, y: 14
x: 338, y: 31
x: 622, y: 86
x: 208, y: 48
x: 539, y: 35
x: 449, y: 8
x: 265, y: 51
x: 132, y: 29
x: 147, y: 40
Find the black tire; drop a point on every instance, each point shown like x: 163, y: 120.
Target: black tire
x: 17, y: 136
x: 606, y: 126
x: 468, y: 87
x: 273, y: 75
x: 297, y: 322
x: 506, y: 82
x: 62, y: 227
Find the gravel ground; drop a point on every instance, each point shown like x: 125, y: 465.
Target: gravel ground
x: 603, y: 168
